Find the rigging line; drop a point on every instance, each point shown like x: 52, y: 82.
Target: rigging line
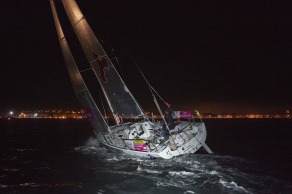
x: 144, y: 115
x: 157, y: 93
x: 139, y: 69
x: 132, y: 58
x: 113, y: 59
x: 86, y: 70
x: 80, y: 91
x: 151, y: 90
x: 150, y: 87
x: 103, y: 106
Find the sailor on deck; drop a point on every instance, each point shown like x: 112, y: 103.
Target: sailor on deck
x: 169, y: 118
x: 169, y: 121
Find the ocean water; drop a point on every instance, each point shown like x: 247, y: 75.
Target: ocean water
x: 62, y: 156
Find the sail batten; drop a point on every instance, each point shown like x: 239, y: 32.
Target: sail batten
x: 118, y: 96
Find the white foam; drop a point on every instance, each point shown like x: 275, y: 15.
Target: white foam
x: 213, y: 172
x: 181, y: 173
x: 160, y: 184
x: 140, y: 169
x: 186, y: 192
x: 232, y: 185
x: 23, y: 149
x: 114, y: 159
x: 11, y: 169
x: 91, y: 146
x: 29, y: 185
x: 100, y: 191
x: 92, y: 141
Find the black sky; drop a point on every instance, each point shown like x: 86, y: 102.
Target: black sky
x: 230, y: 56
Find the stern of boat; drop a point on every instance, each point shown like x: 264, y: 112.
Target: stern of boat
x: 186, y: 138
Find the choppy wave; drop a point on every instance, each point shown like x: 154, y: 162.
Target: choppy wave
x: 33, y: 185
x: 92, y: 147
x: 194, y: 173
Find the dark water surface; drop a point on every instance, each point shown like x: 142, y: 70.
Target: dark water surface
x: 61, y: 156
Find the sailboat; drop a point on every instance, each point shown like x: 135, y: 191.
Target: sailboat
x: 143, y: 138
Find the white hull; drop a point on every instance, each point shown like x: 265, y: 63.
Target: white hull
x: 187, y: 138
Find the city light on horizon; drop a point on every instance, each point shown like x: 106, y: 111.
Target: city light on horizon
x: 73, y: 114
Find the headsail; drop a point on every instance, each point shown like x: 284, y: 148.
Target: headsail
x: 79, y: 85
x: 120, y: 99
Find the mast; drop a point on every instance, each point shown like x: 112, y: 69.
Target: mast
x: 80, y: 88
x: 118, y: 96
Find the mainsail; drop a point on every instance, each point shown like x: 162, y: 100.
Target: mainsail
x: 79, y: 85
x: 119, y: 98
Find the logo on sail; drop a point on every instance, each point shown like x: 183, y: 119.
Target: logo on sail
x: 102, y: 65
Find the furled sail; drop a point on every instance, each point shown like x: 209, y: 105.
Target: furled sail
x: 82, y: 93
x: 119, y: 98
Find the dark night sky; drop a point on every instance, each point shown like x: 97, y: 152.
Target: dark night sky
x: 231, y: 56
